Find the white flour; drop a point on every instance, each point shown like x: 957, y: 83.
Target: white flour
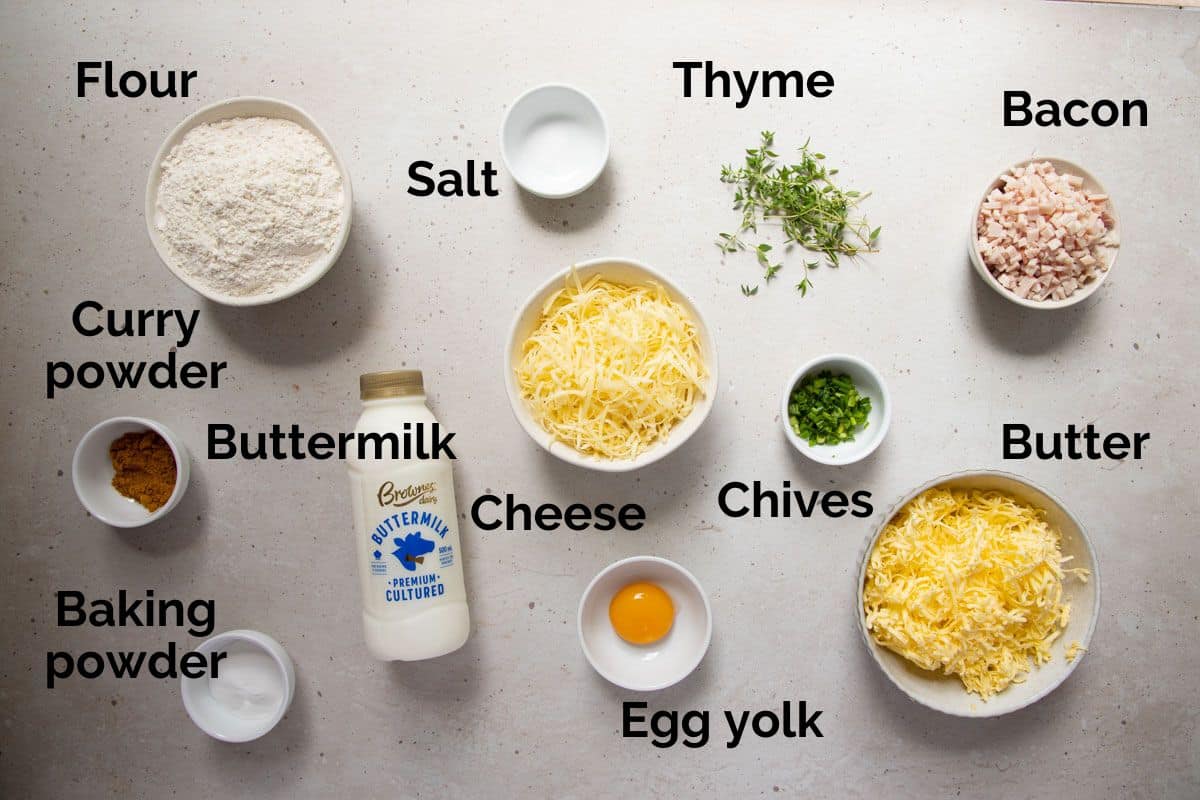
x: 246, y: 205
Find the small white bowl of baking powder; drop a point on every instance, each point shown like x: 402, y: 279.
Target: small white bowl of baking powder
x: 247, y: 201
x: 250, y: 692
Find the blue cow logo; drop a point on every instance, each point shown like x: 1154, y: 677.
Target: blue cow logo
x: 411, y: 550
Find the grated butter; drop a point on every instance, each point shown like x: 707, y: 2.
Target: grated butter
x: 969, y: 583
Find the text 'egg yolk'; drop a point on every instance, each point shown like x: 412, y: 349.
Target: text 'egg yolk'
x: 641, y: 613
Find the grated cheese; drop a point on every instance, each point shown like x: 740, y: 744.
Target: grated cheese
x: 968, y: 583
x: 611, y: 369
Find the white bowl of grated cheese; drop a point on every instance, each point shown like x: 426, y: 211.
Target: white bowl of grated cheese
x: 640, y: 337
x: 247, y: 202
x: 1018, y: 251
x: 947, y: 693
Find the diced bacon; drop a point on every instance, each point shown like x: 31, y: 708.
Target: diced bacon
x: 1041, y: 235
x: 1024, y: 285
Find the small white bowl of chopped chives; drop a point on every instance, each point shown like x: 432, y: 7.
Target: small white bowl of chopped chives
x: 836, y: 409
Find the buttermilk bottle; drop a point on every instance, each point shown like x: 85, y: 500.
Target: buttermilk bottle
x: 406, y: 524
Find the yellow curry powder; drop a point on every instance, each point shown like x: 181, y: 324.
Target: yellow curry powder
x: 145, y: 468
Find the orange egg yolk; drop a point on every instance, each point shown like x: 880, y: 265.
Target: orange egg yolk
x: 641, y: 613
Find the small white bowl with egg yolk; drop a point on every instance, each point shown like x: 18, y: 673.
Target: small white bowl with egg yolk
x: 658, y: 664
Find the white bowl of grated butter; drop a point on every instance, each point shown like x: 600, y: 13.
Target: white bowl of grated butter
x: 946, y: 693
x: 626, y: 272
x: 313, y: 266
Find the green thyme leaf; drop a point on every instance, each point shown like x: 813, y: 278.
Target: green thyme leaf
x: 811, y: 211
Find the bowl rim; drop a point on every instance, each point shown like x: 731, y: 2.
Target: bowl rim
x: 565, y: 452
x: 880, y: 431
x: 178, y: 452
x: 624, y: 563
x: 525, y: 95
x: 263, y: 643
x: 317, y: 269
x: 1060, y: 164
x: 984, y: 711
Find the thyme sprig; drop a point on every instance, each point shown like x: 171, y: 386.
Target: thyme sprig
x: 811, y: 210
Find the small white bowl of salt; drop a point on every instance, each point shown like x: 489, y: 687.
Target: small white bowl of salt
x: 248, y: 691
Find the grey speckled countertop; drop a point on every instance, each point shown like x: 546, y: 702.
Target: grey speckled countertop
x: 433, y: 283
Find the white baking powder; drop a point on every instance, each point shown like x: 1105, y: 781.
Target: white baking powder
x: 246, y: 205
x: 248, y: 684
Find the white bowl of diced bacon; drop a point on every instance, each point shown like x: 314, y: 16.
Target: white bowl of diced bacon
x: 1044, y: 234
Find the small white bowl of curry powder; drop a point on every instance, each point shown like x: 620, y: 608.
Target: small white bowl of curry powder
x: 130, y: 471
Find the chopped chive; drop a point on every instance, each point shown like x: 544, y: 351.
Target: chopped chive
x: 825, y: 408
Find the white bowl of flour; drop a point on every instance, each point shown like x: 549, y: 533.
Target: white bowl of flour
x: 247, y: 201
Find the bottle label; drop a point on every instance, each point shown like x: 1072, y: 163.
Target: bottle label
x: 411, y: 552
